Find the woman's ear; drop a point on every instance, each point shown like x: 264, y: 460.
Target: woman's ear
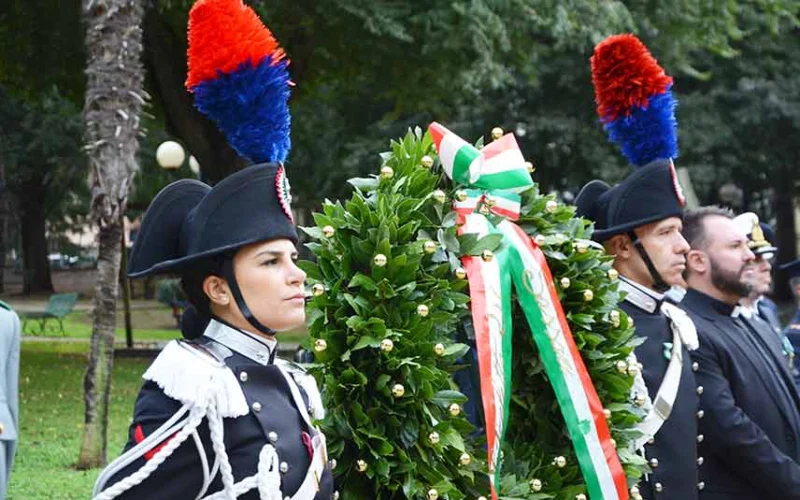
x: 216, y: 288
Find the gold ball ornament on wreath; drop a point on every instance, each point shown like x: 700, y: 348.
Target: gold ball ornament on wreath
x: 531, y: 168
x: 613, y: 274
x: 622, y: 366
x: 461, y: 273
x: 487, y: 255
x: 565, y: 283
x: 429, y: 246
x: 361, y: 465
x: 588, y: 295
x: 454, y: 409
x: 481, y: 498
x: 320, y: 345
x: 438, y: 349
x: 387, y: 345
x: 607, y: 413
x: 426, y: 161
x: 633, y: 369
x: 536, y: 485
x: 497, y: 133
x: 580, y: 496
x: 461, y: 195
x: 380, y: 260
x: 465, y: 459
x: 387, y: 172
x: 433, y: 437
x: 398, y: 390
x: 560, y: 462
x: 328, y: 231
x: 638, y: 400
x: 635, y: 493
x: 317, y: 289
x: 539, y: 239
x: 613, y: 316
x: 551, y: 206
x: 433, y: 494
x: 422, y: 310
x: 439, y: 196
x: 581, y: 247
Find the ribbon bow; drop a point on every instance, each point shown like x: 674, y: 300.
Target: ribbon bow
x: 494, y: 178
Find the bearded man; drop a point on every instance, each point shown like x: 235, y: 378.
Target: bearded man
x: 750, y: 430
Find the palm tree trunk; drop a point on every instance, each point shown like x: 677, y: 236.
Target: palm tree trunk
x: 112, y: 108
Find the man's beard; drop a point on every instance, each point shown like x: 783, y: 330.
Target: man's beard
x: 730, y: 281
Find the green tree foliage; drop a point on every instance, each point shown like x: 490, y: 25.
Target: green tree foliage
x: 361, y: 303
x: 45, y: 170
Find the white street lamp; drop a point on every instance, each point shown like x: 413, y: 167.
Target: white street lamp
x: 194, y: 166
x: 170, y: 155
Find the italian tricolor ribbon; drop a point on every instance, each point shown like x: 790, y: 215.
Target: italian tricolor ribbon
x: 494, y: 177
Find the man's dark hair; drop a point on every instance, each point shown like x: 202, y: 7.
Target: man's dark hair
x: 694, y: 231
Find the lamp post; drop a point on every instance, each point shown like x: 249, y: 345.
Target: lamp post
x: 170, y: 155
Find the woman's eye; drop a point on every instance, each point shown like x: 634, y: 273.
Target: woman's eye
x: 270, y: 262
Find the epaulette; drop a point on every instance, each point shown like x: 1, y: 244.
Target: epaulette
x: 191, y: 374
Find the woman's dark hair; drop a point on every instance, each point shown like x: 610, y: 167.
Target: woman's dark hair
x: 192, y: 281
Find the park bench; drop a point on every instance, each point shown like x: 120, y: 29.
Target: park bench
x: 169, y: 292
x: 58, y: 306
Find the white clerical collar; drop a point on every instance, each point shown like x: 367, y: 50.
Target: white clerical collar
x: 249, y: 345
x: 640, y: 296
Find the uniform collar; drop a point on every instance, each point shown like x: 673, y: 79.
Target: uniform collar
x: 640, y: 296
x: 252, y: 346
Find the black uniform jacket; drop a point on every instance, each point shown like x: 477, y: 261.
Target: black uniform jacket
x: 273, y: 418
x: 751, y: 424
x: 672, y: 454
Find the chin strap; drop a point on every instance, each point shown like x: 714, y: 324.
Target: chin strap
x: 659, y: 284
x: 230, y: 277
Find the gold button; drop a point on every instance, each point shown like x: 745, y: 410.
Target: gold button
x: 700, y: 461
x: 701, y: 414
x: 699, y: 390
x: 272, y: 436
x: 695, y: 366
x: 284, y: 467
x: 653, y: 463
x: 659, y: 487
x: 701, y: 485
x: 700, y: 438
x: 256, y: 406
x: 243, y: 376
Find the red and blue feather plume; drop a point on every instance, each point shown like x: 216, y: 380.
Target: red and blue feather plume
x: 239, y: 77
x: 634, y: 100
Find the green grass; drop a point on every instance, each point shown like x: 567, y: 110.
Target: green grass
x: 51, y: 419
x: 148, y: 325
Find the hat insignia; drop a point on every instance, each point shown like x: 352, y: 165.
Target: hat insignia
x: 284, y: 192
x: 676, y: 185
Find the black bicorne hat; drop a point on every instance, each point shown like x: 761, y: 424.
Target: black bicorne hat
x: 189, y: 221
x: 651, y: 193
